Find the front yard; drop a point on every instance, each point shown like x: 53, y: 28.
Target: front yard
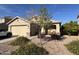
x: 21, y: 46
x: 24, y: 46
x: 27, y: 47
x: 73, y: 47
x: 30, y: 49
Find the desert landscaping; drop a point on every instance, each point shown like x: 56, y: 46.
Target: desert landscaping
x: 53, y: 46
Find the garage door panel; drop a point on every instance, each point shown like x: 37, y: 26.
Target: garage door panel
x: 19, y: 30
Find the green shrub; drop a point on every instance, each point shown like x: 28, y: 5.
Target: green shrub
x: 30, y: 49
x: 20, y: 41
x: 70, y: 28
x: 73, y: 47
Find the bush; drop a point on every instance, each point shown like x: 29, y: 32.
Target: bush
x: 73, y: 47
x: 30, y: 49
x: 74, y: 32
x: 70, y: 28
x: 20, y: 41
x: 58, y: 37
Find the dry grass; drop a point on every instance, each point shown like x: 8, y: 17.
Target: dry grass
x: 73, y: 47
x: 21, y: 41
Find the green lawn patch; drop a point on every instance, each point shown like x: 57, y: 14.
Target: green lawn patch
x: 21, y: 41
x: 73, y: 47
x: 30, y: 49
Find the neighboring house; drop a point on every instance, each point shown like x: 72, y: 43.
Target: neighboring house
x: 22, y: 27
x: 3, y: 25
x: 2, y: 20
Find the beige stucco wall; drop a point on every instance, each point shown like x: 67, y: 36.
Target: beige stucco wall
x: 19, y: 22
x: 33, y: 20
x: 19, y: 27
x: 57, y: 30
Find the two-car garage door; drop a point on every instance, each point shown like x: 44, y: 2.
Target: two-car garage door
x: 20, y: 30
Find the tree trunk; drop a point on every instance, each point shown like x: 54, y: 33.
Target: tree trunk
x: 46, y: 31
x: 39, y: 36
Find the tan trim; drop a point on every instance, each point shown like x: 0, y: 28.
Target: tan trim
x: 56, y: 22
x: 15, y: 19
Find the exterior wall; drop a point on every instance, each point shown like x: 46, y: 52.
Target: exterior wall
x: 2, y: 20
x: 57, y: 30
x: 19, y: 26
x: 19, y: 22
x: 78, y: 20
x: 33, y: 20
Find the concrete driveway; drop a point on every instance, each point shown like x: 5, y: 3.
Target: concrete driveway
x: 3, y: 40
x: 5, y: 48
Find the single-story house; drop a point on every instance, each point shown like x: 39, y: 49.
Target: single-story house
x: 22, y: 27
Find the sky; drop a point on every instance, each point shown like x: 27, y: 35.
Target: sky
x: 60, y: 12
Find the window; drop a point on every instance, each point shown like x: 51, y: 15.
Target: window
x: 53, y: 27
